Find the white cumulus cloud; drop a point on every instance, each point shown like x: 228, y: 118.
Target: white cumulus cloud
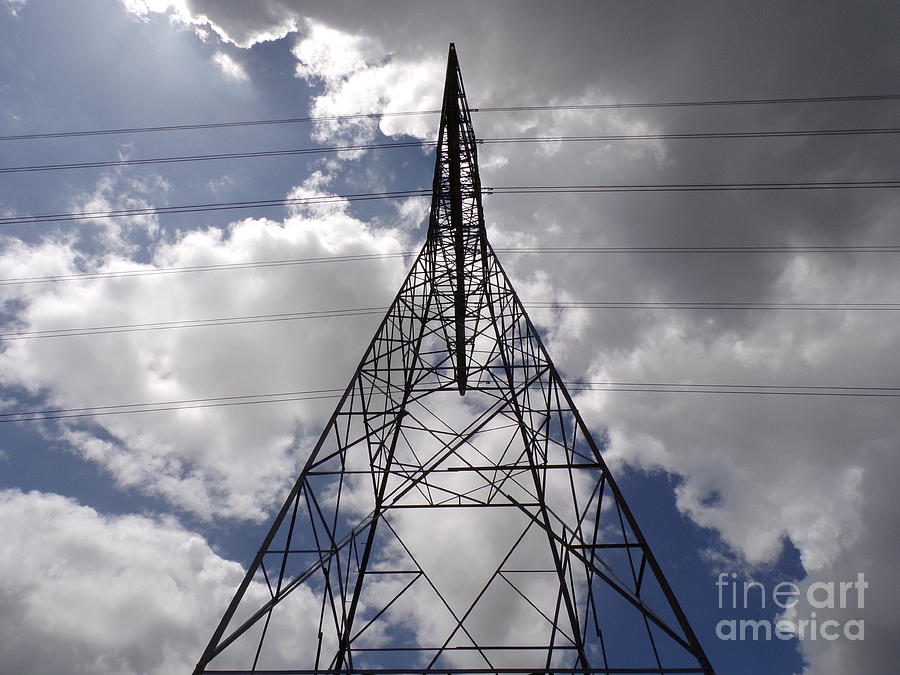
x: 86, y: 593
x: 229, y: 67
x: 221, y: 461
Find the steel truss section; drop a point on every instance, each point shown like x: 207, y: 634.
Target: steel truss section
x: 434, y: 532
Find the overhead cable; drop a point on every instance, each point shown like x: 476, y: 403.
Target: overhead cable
x: 430, y: 143
x: 340, y: 313
x: 775, y: 248
x: 711, y: 135
x: 803, y: 306
x: 219, y: 206
x: 525, y: 250
x: 217, y: 125
x: 694, y: 187
x: 192, y: 323
x: 161, y: 406
x: 117, y: 274
x: 423, y: 192
x: 692, y: 104
x: 408, y: 113
x: 217, y: 156
x: 318, y: 394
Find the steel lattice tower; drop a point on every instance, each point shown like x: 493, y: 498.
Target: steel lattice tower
x: 434, y: 532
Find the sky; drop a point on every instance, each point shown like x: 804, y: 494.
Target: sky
x: 124, y: 535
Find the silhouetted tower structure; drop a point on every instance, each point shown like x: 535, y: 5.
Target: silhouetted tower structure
x: 434, y: 532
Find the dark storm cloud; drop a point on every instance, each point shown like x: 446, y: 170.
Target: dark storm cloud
x: 537, y: 53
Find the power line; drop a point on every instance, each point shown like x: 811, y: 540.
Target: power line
x: 217, y: 125
x: 521, y: 108
x: 691, y: 385
x: 206, y: 268
x: 693, y: 187
x: 695, y: 136
x: 219, y: 206
x: 317, y: 394
x: 693, y: 104
x: 218, y: 156
x: 567, y: 250
x: 192, y: 323
x: 422, y: 192
x: 775, y: 248
x: 340, y: 313
x: 430, y: 143
x: 804, y: 306
x: 764, y: 390
x: 162, y: 406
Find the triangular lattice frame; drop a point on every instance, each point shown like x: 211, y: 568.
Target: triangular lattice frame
x: 433, y: 532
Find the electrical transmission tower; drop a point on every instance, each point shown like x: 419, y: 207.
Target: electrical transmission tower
x: 455, y: 516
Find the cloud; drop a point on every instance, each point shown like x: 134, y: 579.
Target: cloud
x: 13, y: 7
x: 756, y: 469
x: 868, y: 549
x: 229, y: 67
x: 229, y: 462
x: 359, y: 77
x: 87, y: 593
x: 90, y: 594
x: 357, y: 74
x: 144, y: 8
x: 241, y: 24
x: 808, y: 462
x: 117, y: 191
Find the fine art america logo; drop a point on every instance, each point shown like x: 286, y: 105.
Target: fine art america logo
x: 786, y: 598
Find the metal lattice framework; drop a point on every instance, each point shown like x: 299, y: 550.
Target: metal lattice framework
x: 434, y: 532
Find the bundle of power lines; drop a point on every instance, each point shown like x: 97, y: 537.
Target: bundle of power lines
x: 277, y: 397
